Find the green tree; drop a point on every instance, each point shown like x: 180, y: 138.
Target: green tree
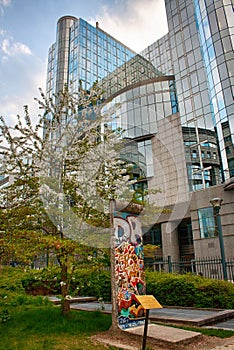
x: 66, y: 170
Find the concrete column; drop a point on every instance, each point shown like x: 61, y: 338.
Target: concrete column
x: 170, y: 242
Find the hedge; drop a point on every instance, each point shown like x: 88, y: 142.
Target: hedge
x: 190, y: 290
x: 186, y: 290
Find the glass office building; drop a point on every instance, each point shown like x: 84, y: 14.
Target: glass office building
x: 198, y: 50
x: 82, y: 53
x: 176, y: 107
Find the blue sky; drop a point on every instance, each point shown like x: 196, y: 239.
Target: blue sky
x: 28, y: 27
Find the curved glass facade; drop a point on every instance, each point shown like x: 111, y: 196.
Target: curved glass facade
x: 198, y: 50
x: 215, y: 24
x: 141, y: 106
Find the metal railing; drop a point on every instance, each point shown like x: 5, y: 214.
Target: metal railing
x: 210, y: 267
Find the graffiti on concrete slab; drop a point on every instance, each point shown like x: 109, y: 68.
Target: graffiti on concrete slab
x: 129, y: 269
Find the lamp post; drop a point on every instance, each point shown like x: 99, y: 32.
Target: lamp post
x: 216, y: 203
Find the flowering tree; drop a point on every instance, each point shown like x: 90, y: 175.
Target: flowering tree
x: 66, y: 169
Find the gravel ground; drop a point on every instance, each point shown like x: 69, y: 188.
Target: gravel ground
x: 127, y: 342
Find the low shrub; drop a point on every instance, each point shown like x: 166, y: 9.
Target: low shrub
x: 42, y: 282
x: 11, y: 280
x: 215, y: 294
x: 85, y: 282
x: 172, y: 290
x: 190, y: 291
x: 93, y: 282
x: 186, y: 290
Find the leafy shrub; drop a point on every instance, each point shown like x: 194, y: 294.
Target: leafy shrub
x: 215, y: 294
x: 11, y: 280
x: 85, y: 282
x: 190, y: 291
x: 93, y: 282
x: 4, y: 315
x: 169, y: 289
x: 42, y: 282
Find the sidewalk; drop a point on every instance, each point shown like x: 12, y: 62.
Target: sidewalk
x: 194, y: 317
x: 164, y: 335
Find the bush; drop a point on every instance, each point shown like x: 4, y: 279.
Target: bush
x: 85, y: 282
x: 95, y: 283
x: 169, y: 289
x: 42, y: 282
x: 11, y: 280
x: 190, y: 291
x: 215, y: 294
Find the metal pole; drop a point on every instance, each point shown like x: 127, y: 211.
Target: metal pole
x: 222, y: 251
x: 145, y: 329
x: 169, y: 264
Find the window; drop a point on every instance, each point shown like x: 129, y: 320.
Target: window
x: 207, y: 222
x: 153, y: 236
x: 194, y: 154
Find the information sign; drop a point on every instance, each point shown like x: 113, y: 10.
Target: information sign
x: 148, y: 302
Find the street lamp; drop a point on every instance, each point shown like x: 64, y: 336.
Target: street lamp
x: 216, y: 203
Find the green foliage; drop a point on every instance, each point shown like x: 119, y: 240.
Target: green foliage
x: 94, y: 282
x: 46, y: 328
x: 217, y: 294
x: 43, y: 282
x: 11, y: 280
x: 169, y: 289
x: 190, y: 291
x: 84, y: 282
x: 4, y: 315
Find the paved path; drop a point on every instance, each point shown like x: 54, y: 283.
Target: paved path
x: 190, y: 316
x: 219, y: 319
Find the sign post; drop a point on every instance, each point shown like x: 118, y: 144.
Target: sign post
x: 148, y: 302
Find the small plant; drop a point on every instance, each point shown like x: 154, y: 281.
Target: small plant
x: 101, y: 302
x: 4, y: 315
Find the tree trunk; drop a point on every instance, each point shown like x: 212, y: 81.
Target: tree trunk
x: 65, y: 305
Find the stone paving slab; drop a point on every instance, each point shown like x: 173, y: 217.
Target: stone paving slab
x: 166, y: 335
x: 119, y: 345
x: 226, y: 325
x: 190, y: 316
x: 56, y: 300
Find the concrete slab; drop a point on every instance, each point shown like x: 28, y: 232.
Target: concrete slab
x: 56, y: 300
x: 166, y: 335
x: 189, y: 316
x: 114, y: 343
x: 226, y: 325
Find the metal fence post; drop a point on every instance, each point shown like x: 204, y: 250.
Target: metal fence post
x: 169, y: 264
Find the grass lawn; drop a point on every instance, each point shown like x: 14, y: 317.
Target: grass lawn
x: 37, y: 328
x: 41, y: 327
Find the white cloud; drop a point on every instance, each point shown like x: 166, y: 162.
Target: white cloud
x: 20, y: 80
x: 10, y: 48
x: 3, y: 4
x: 21, y: 75
x: 135, y: 23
